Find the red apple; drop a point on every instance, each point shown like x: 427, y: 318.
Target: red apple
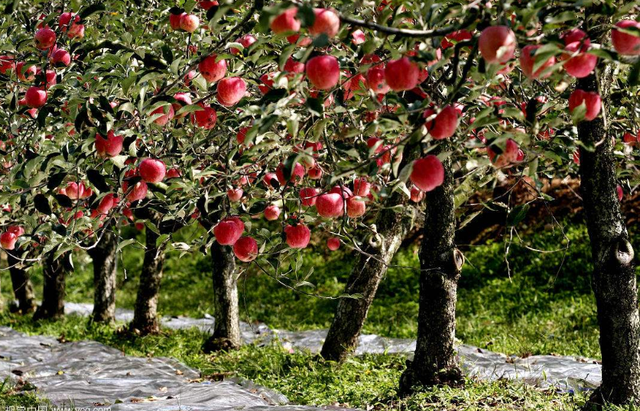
x: 272, y: 212
x: 167, y: 114
x: 211, y: 70
x: 582, y: 63
x: 45, y: 38
x: 376, y: 79
x: 174, y: 20
x: 457, y: 36
x: 207, y: 4
x: 152, y: 170
x: 590, y: 99
x: 444, y: 125
x: 333, y: 243
x: 361, y: 187
x: 427, y: 173
x: 323, y: 72
x: 358, y: 37
x: 231, y: 90
x: 7, y: 63
x: 234, y: 194
x: 315, y: 172
x: 527, y: 62
x: 267, y: 82
x: 619, y: 192
x: 205, y: 118
x: 296, y: 175
x: 76, y: 31
x: 356, y: 206
x: 402, y: 74
x: 575, y: 35
x: 8, y: 240
x: 246, y: 41
x: 330, y: 205
x: 286, y: 22
x: 183, y: 99
x: 61, y: 57
x: 35, y: 97
x: 189, y: 22
x: 308, y: 196
x: 107, y: 203
x: 293, y: 66
x: 623, y: 43
x: 27, y: 74
x: 246, y: 249
x: 298, y: 236
x: 497, y: 44
x: 326, y: 22
x: 417, y: 195
x: 228, y: 231
x: 110, y: 146
x: 65, y: 19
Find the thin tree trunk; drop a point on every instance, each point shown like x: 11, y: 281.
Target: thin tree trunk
x: 613, y: 278
x: 145, y: 316
x: 22, y: 286
x: 105, y: 266
x: 435, y: 361
x: 52, y: 306
x: 226, y: 335
x: 369, y: 269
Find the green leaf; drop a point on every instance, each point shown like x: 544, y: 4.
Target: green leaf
x: 94, y: 8
x: 517, y: 214
x: 42, y: 204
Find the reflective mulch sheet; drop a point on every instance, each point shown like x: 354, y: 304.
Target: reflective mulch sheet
x: 90, y: 374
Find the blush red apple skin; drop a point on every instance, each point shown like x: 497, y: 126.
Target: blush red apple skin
x: 356, y: 206
x: 205, y: 118
x: 152, y: 170
x: 174, y: 20
x: 110, y: 146
x: 211, y: 70
x: 138, y: 192
x: 326, y: 22
x: 45, y: 38
x: 323, y: 72
x: 189, y: 22
x: 402, y: 74
x: 527, y: 62
x: 167, y: 115
x: 591, y: 100
x: 8, y: 240
x: 445, y: 123
x: 308, y: 196
x: 427, y: 173
x: 246, y: 41
x: 246, y: 249
x: 581, y: 64
x: 626, y: 44
x: 296, y: 175
x: 35, y: 97
x: 297, y: 236
x: 228, y: 231
x: 235, y: 194
x: 286, y: 22
x: 330, y: 205
x: 333, y: 243
x: 497, y: 44
x: 61, y: 57
x: 231, y: 90
x: 272, y: 213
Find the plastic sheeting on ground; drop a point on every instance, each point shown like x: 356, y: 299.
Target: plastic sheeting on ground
x: 564, y: 373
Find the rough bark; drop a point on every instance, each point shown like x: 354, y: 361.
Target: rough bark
x: 613, y: 278
x: 22, y: 286
x: 52, y: 306
x: 145, y: 316
x: 226, y: 335
x: 369, y: 269
x: 435, y: 361
x: 105, y: 266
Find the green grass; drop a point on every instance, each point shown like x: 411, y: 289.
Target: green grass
x: 543, y: 305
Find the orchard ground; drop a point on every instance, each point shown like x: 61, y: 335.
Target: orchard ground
x: 543, y: 306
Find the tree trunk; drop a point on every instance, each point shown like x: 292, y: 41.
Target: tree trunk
x: 52, y: 306
x: 435, y: 361
x: 369, y: 269
x: 105, y: 266
x: 145, y: 316
x: 22, y: 286
x: 226, y: 335
x: 613, y: 278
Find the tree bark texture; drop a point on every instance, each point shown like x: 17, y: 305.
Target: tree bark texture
x: 52, y: 306
x: 226, y: 335
x: 367, y: 273
x: 22, y: 286
x: 435, y: 361
x: 105, y: 266
x: 613, y: 278
x: 145, y: 317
